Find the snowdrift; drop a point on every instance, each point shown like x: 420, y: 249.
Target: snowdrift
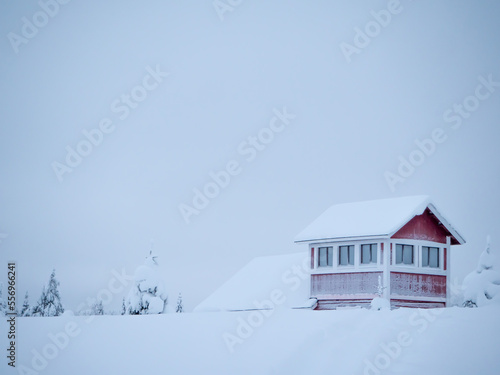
x: 281, y: 341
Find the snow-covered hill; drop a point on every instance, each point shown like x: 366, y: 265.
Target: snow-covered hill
x: 404, y: 341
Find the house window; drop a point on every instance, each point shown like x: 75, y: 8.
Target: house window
x: 430, y: 256
x: 404, y: 254
x: 369, y: 253
x: 346, y: 255
x: 325, y: 256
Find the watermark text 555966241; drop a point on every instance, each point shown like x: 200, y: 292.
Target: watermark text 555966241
x: 11, y: 314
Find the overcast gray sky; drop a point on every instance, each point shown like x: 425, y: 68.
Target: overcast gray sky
x: 104, y: 64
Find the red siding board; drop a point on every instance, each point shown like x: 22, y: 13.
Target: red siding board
x: 395, y: 303
x: 344, y: 283
x: 424, y: 227
x: 417, y: 285
x: 333, y: 304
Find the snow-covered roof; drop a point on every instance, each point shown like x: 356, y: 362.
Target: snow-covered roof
x: 376, y: 218
x: 262, y: 279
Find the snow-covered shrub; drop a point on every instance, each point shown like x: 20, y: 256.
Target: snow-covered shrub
x: 148, y: 294
x: 380, y: 303
x: 482, y: 286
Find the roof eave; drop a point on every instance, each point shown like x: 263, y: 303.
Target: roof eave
x: 447, y: 225
x: 346, y: 238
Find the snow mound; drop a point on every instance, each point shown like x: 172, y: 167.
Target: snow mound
x: 379, y: 303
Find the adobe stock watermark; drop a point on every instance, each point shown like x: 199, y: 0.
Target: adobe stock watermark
x: 454, y: 118
x: 59, y: 341
x: 223, y: 6
x: 31, y: 25
x: 245, y: 328
x: 363, y: 37
x: 249, y: 149
x: 121, y: 107
x: 391, y: 351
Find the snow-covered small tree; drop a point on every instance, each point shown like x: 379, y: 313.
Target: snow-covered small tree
x: 97, y: 308
x: 482, y: 286
x: 379, y: 302
x: 179, y: 307
x: 3, y: 304
x: 147, y: 295
x: 26, y: 310
x: 49, y: 303
x: 124, y: 308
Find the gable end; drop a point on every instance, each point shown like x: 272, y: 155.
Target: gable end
x: 425, y: 227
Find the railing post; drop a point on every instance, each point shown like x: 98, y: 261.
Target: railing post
x: 447, y: 263
x: 386, y: 273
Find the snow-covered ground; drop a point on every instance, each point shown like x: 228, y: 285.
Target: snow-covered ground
x: 404, y: 341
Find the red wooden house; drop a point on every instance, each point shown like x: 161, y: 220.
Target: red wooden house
x: 406, y: 241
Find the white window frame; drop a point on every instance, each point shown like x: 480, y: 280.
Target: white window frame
x: 439, y: 248
x: 377, y: 252
x: 414, y: 254
x: 327, y: 256
x: 353, y: 255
